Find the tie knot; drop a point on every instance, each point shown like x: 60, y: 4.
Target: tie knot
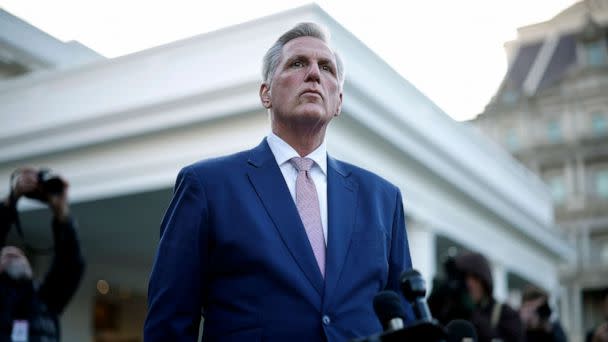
x: 302, y: 164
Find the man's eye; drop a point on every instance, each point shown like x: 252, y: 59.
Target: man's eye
x: 297, y: 64
x: 327, y: 68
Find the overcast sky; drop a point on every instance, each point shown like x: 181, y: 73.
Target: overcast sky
x: 450, y: 50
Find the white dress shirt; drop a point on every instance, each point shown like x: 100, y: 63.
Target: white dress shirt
x: 283, y: 153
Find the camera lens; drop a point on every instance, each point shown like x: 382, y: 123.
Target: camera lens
x: 51, y: 183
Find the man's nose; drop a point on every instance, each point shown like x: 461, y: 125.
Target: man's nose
x: 313, y: 74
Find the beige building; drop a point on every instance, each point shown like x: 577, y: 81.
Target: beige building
x: 551, y: 113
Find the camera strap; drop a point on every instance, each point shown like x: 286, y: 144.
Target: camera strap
x: 495, y: 318
x: 12, y: 207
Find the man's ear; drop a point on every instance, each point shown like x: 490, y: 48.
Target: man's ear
x: 339, y: 109
x: 265, y: 96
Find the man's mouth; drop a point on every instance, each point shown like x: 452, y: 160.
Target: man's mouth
x: 311, y: 93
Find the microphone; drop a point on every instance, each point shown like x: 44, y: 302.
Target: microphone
x: 414, y: 290
x: 389, y: 310
x: 391, y: 314
x: 461, y: 331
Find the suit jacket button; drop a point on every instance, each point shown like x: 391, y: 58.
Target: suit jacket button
x: 326, y: 320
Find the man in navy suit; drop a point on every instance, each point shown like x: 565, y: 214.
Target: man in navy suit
x: 281, y: 242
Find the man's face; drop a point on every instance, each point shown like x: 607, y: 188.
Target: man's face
x: 475, y: 288
x: 305, y: 87
x: 15, y: 263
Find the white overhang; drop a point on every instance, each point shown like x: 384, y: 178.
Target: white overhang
x: 35, y: 48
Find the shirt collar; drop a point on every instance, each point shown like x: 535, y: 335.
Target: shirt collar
x: 283, y: 152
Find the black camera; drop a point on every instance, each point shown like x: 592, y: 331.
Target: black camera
x: 49, y: 183
x: 544, y: 311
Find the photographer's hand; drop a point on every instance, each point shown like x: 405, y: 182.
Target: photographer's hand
x: 24, y: 180
x: 58, y: 203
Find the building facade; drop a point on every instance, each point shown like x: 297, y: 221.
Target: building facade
x: 551, y: 113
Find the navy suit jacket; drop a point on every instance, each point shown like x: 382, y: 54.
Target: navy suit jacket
x: 233, y: 248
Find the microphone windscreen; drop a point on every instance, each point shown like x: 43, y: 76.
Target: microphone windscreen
x: 459, y: 330
x: 410, y: 273
x: 387, y: 306
x: 412, y: 285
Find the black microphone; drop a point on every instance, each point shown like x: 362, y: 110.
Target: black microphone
x: 389, y: 310
x: 391, y: 314
x: 414, y: 289
x: 461, y: 331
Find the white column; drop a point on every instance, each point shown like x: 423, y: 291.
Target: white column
x: 570, y: 182
x: 577, y: 313
x: 580, y: 178
x: 565, y: 314
x: 585, y: 245
x: 423, y: 250
x: 499, y: 275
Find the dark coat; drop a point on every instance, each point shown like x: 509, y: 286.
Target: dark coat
x: 509, y: 327
x: 41, y: 305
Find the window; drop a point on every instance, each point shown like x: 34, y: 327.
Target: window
x: 597, y: 180
x: 595, y: 52
x: 601, y: 183
x: 557, y: 188
x: 599, y: 124
x: 554, y: 131
x: 604, y: 253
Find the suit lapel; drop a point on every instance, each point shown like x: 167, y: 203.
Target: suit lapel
x: 341, y: 209
x: 269, y: 183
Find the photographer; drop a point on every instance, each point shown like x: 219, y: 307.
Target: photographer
x: 29, y: 312
x: 535, y: 313
x: 466, y: 293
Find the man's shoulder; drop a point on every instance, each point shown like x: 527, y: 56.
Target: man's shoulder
x: 220, y: 162
x: 216, y: 167
x: 363, y: 176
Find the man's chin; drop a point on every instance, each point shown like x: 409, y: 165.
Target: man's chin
x: 312, y: 114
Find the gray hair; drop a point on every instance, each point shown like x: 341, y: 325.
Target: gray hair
x: 273, y: 55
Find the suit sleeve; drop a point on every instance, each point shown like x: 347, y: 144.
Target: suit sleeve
x: 399, y: 255
x: 179, y: 271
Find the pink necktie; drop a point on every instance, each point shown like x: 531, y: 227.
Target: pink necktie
x: 308, y: 207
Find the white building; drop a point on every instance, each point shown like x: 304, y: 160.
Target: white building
x: 551, y: 113
x: 120, y: 129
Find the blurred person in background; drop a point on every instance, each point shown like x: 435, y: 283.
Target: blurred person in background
x: 600, y: 333
x: 536, y: 316
x: 30, y: 311
x: 466, y: 293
